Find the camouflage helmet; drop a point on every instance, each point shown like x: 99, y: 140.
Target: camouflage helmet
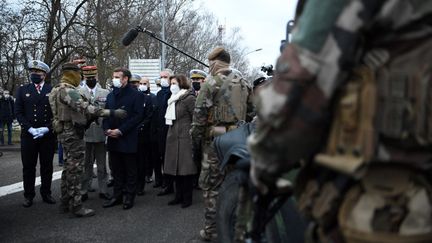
x: 38, y: 65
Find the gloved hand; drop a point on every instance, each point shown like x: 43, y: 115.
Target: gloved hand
x: 119, y: 113
x: 41, y: 131
x: 32, y: 131
x: 261, y: 179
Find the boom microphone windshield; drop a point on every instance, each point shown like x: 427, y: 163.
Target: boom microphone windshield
x: 129, y: 36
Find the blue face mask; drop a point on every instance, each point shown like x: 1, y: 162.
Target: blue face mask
x: 35, y: 78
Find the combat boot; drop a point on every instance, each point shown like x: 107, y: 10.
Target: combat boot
x: 83, y: 212
x: 63, y: 208
x: 207, y: 236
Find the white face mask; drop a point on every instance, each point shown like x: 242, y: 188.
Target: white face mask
x: 6, y: 96
x: 174, y: 89
x: 142, y: 87
x: 116, y: 82
x: 164, y: 82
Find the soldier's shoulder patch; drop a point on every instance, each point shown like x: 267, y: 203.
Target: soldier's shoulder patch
x: 73, y: 94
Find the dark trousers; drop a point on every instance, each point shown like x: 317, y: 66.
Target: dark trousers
x: 9, y: 128
x: 143, y: 160
x: 124, y: 172
x: 31, y: 149
x: 60, y: 153
x: 156, y: 160
x: 183, y: 188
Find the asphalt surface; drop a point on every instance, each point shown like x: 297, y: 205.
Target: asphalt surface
x: 150, y: 220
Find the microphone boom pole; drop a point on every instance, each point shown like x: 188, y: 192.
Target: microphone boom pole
x: 151, y: 34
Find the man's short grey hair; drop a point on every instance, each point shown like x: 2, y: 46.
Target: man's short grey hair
x: 171, y: 73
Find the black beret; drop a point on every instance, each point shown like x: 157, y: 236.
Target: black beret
x: 70, y: 66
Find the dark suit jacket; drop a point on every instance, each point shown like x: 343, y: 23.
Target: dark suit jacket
x: 7, y: 113
x: 158, y: 123
x: 33, y: 109
x: 131, y: 100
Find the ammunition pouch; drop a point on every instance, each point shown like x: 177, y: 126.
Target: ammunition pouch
x: 391, y: 204
x: 382, y: 107
x: 57, y: 126
x: 80, y: 129
x: 320, y: 192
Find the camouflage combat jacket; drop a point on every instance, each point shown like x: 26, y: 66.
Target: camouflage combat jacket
x: 216, y: 91
x: 70, y: 107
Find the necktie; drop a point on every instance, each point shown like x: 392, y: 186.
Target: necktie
x: 38, y: 88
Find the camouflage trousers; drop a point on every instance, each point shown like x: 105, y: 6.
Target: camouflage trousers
x: 73, y: 150
x: 210, y: 180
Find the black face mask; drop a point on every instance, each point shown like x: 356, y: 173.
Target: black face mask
x: 196, y: 86
x: 91, y: 83
x: 35, y: 78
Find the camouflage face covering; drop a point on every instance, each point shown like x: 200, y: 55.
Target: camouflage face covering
x: 71, y: 77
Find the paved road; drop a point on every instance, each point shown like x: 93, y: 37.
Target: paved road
x: 151, y: 220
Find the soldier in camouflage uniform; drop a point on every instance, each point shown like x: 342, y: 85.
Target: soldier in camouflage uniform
x: 223, y: 101
x: 71, y: 112
x: 386, y: 49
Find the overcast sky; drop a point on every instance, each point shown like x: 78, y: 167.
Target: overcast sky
x: 262, y: 24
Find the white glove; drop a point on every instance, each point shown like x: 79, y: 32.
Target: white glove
x: 40, y: 132
x: 32, y: 131
x: 43, y: 130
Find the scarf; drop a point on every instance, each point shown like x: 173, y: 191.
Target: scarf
x: 216, y: 65
x: 170, y: 112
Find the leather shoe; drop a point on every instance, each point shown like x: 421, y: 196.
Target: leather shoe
x: 165, y: 192
x: 128, y: 204
x: 149, y: 179
x: 112, y: 202
x: 174, y: 202
x: 157, y: 184
x: 84, y: 197
x: 185, y: 204
x: 105, y: 196
x: 48, y: 199
x: 110, y: 183
x: 27, y: 202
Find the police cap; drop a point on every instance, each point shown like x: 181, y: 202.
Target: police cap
x: 38, y: 65
x: 196, y: 73
x: 135, y: 78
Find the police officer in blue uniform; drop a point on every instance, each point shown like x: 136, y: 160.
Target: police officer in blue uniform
x: 33, y: 112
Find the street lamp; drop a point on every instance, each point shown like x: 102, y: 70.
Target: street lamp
x: 243, y: 56
x: 259, y: 49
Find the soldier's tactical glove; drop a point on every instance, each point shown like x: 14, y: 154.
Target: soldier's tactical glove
x: 261, y: 179
x: 197, y: 153
x: 119, y: 113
